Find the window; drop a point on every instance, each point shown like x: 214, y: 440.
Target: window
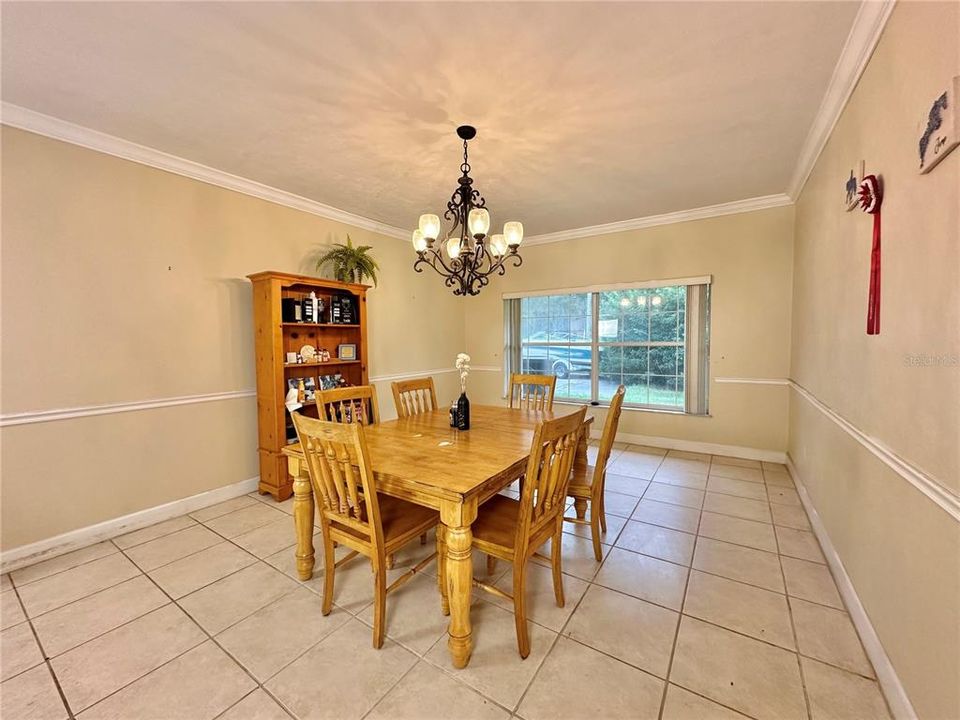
x: 598, y: 339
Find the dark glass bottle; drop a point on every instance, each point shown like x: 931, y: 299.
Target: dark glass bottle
x: 463, y: 412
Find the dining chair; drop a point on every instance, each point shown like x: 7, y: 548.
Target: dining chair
x: 514, y: 530
x: 587, y: 482
x: 532, y: 392
x: 353, y: 514
x: 413, y: 397
x: 357, y: 404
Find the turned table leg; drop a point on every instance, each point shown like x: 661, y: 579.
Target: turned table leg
x: 458, y: 537
x: 303, y: 510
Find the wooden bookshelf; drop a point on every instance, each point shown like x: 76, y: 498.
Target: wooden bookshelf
x: 274, y: 338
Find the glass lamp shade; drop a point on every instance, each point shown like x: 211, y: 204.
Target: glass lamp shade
x: 498, y: 246
x: 513, y: 233
x: 478, y: 221
x: 419, y: 241
x: 453, y: 248
x: 430, y: 226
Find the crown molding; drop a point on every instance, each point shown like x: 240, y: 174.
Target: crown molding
x: 709, y: 211
x: 864, y: 35
x: 48, y: 126
x: 32, y: 121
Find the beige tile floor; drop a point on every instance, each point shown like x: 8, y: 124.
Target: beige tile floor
x: 713, y: 601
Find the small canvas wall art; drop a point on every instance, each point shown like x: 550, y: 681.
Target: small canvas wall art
x: 852, y: 186
x: 939, y: 128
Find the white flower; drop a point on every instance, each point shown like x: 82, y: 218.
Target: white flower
x: 463, y: 366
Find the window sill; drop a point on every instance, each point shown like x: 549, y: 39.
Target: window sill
x: 632, y: 408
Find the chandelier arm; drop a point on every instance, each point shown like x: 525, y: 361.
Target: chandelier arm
x: 432, y: 261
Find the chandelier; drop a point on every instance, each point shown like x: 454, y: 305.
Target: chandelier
x: 468, y: 256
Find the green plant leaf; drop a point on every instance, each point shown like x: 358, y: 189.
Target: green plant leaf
x: 350, y: 263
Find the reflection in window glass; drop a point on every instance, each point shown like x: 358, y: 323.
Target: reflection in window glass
x: 594, y: 342
x: 647, y: 327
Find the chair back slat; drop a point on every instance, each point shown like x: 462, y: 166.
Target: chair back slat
x: 414, y: 397
x: 607, y: 438
x: 350, y: 405
x: 532, y: 392
x: 339, y: 467
x: 548, y: 473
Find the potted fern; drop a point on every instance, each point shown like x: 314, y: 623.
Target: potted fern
x: 350, y: 263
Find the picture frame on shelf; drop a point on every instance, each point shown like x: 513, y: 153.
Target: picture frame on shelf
x: 309, y: 387
x: 347, y: 351
x: 329, y: 382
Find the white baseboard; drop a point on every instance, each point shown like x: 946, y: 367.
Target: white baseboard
x: 748, y: 453
x: 893, y: 690
x: 24, y: 555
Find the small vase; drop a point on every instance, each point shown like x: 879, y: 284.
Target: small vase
x: 463, y: 412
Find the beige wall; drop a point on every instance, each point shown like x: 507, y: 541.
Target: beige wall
x: 750, y: 258
x: 122, y: 283
x: 901, y: 550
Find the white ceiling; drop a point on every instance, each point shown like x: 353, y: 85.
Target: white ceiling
x: 587, y: 113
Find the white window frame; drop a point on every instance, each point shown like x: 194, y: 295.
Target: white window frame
x: 695, y: 341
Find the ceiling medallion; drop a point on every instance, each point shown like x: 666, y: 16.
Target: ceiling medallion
x: 468, y: 256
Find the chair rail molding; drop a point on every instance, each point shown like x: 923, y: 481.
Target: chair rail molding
x: 752, y: 381
x: 942, y: 496
x: 42, y: 416
x: 53, y: 415
x: 409, y: 375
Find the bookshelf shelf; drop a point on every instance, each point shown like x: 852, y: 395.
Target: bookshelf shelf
x: 274, y: 338
x: 318, y: 325
x: 321, y: 364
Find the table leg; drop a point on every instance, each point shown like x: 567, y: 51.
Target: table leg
x: 580, y: 462
x: 442, y: 571
x: 458, y: 537
x: 303, y: 512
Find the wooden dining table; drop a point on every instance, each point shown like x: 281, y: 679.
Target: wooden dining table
x: 423, y: 460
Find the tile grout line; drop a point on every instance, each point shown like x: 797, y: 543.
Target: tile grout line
x: 177, y: 604
x: 43, y: 654
x: 399, y: 680
x: 258, y: 687
x: 546, y: 655
x: 210, y: 637
x: 683, y: 602
x: 453, y: 674
x: 793, y: 627
x: 422, y: 657
x: 72, y: 567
